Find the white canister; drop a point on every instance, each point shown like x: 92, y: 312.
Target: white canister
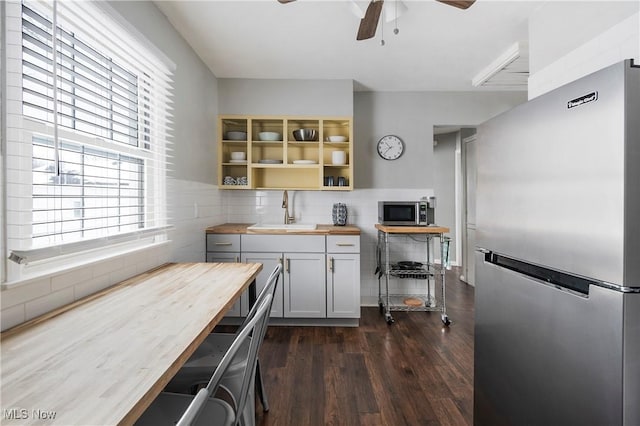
x: 339, y: 158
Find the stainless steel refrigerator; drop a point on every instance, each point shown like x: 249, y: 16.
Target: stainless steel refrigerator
x: 557, y: 333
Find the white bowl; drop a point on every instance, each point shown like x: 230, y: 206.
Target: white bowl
x: 238, y: 155
x: 337, y: 138
x: 237, y: 136
x: 270, y: 136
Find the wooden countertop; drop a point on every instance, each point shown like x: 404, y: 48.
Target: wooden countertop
x: 241, y: 228
x: 102, y: 360
x: 412, y: 229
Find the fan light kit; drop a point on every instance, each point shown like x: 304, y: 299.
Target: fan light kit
x: 369, y: 22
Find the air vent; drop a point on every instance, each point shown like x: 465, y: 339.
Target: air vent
x: 509, y: 71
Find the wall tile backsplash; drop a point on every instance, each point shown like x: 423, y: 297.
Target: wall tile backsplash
x: 316, y: 207
x: 194, y: 207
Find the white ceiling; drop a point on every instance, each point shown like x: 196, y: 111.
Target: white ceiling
x: 438, y: 47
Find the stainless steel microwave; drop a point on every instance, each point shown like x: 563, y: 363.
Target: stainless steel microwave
x: 407, y: 213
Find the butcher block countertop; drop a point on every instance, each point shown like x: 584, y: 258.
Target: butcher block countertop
x: 103, y: 359
x: 412, y: 229
x: 241, y: 228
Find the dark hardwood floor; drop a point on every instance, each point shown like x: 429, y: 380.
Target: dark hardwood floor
x: 414, y: 372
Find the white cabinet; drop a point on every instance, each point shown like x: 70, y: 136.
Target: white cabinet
x: 304, y: 285
x: 269, y: 262
x: 343, y: 276
x: 226, y: 248
x: 228, y: 243
x: 303, y: 256
x: 320, y: 275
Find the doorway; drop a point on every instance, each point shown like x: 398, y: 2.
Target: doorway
x: 468, y: 208
x: 454, y: 188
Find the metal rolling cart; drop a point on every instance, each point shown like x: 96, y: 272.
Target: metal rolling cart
x: 429, y: 300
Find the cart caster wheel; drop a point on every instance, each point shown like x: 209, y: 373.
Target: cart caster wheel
x: 390, y: 320
x: 445, y: 320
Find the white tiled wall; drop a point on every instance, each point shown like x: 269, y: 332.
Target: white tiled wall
x: 620, y: 42
x: 316, y: 207
x: 26, y: 300
x: 195, y: 206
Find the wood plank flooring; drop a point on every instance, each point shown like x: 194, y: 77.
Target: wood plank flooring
x: 414, y: 372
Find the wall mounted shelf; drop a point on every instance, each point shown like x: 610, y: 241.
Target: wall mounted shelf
x: 288, y: 174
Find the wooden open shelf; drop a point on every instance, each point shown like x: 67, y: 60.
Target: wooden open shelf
x: 285, y: 175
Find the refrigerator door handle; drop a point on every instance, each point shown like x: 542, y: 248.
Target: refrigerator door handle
x: 558, y: 279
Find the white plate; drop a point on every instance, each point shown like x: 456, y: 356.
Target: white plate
x: 237, y: 161
x: 304, y: 162
x: 337, y: 138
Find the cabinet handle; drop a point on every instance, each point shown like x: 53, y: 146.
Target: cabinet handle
x: 345, y: 244
x: 224, y: 244
x: 288, y: 265
x: 331, y: 264
x: 281, y: 262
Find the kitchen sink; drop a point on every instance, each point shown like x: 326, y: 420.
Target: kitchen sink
x: 291, y: 227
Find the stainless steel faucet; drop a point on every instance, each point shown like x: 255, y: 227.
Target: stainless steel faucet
x: 285, y: 205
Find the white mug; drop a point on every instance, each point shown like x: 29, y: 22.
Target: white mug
x: 339, y: 158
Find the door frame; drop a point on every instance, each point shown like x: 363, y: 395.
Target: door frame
x: 467, y: 252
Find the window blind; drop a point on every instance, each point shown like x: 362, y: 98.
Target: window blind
x: 95, y: 94
x: 96, y: 192
x: 97, y: 118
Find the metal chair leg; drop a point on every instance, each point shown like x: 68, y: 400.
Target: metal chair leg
x: 260, y: 388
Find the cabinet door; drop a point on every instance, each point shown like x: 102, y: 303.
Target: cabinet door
x: 305, y: 285
x: 236, y: 310
x: 343, y: 285
x: 269, y: 261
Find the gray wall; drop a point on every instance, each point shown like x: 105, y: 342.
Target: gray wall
x: 412, y: 115
x: 558, y: 27
x: 195, y: 94
x: 285, y: 97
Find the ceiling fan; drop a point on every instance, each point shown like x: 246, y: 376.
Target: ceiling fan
x: 369, y: 23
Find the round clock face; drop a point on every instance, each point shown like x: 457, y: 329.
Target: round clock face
x: 390, y: 147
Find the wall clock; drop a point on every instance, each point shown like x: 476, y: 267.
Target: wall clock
x: 390, y: 147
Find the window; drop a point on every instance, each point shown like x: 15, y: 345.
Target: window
x: 95, y: 193
x: 96, y: 95
x: 91, y: 143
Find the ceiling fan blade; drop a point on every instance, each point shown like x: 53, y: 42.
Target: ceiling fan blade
x: 285, y: 1
x: 461, y: 4
x: 369, y: 23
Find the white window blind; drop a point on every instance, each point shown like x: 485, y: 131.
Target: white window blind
x: 95, y: 94
x: 96, y: 192
x: 96, y: 114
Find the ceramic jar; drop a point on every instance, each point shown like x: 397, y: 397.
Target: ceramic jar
x: 339, y: 214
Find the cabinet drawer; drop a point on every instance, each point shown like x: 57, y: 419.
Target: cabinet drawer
x: 282, y: 243
x: 223, y: 242
x: 223, y: 257
x: 343, y: 244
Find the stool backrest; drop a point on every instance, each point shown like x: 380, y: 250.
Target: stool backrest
x: 255, y: 326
